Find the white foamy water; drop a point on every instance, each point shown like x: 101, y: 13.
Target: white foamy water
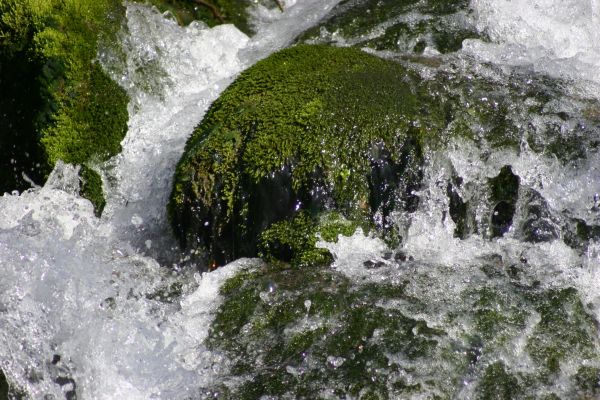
x: 85, y: 304
x: 173, y: 74
x: 559, y: 38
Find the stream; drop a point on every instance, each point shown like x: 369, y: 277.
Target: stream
x: 107, y: 308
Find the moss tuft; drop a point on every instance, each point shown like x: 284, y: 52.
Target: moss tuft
x: 91, y: 189
x: 293, y: 241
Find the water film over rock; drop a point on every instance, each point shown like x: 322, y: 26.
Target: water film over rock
x: 417, y: 181
x: 410, y: 26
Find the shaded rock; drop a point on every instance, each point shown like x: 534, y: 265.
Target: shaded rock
x: 460, y: 209
x: 538, y: 224
x: 504, y: 193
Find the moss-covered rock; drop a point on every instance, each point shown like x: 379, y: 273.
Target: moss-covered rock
x: 57, y: 102
x: 9, y: 391
x: 498, y: 384
x: 402, y: 333
x: 212, y: 12
x: 407, y: 26
x: 311, y: 129
x: 296, y: 333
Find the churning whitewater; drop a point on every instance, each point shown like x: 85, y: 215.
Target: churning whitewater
x: 104, y: 308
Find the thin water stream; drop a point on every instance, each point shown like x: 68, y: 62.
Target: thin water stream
x: 106, y: 309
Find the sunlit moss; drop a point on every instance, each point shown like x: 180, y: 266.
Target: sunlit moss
x: 76, y: 111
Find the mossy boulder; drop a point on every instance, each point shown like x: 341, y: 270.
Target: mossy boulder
x: 310, y: 129
x: 57, y: 102
x: 294, y: 333
x: 403, y: 332
x: 212, y: 12
x: 407, y: 26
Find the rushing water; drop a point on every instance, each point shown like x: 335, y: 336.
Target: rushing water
x: 87, y: 305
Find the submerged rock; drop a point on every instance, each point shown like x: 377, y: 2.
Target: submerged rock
x: 407, y: 26
x: 501, y: 206
x: 212, y: 12
x: 402, y: 333
x: 57, y: 101
x: 310, y: 129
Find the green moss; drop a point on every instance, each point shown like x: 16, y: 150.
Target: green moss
x: 496, y: 316
x: 93, y: 126
x: 292, y: 241
x: 269, y: 148
x: 498, y: 384
x: 295, y: 240
x: 73, y: 111
x: 565, y: 329
x: 331, y: 225
x: 91, y: 189
x: 587, y: 380
x: 315, y: 321
x: 303, y: 331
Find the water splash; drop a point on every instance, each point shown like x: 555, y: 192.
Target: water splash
x: 84, y: 304
x: 84, y: 308
x: 558, y: 38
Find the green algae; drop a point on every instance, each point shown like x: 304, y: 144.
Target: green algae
x: 73, y: 111
x: 269, y: 147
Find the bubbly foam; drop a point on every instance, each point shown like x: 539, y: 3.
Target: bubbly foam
x: 85, y: 306
x: 559, y: 38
